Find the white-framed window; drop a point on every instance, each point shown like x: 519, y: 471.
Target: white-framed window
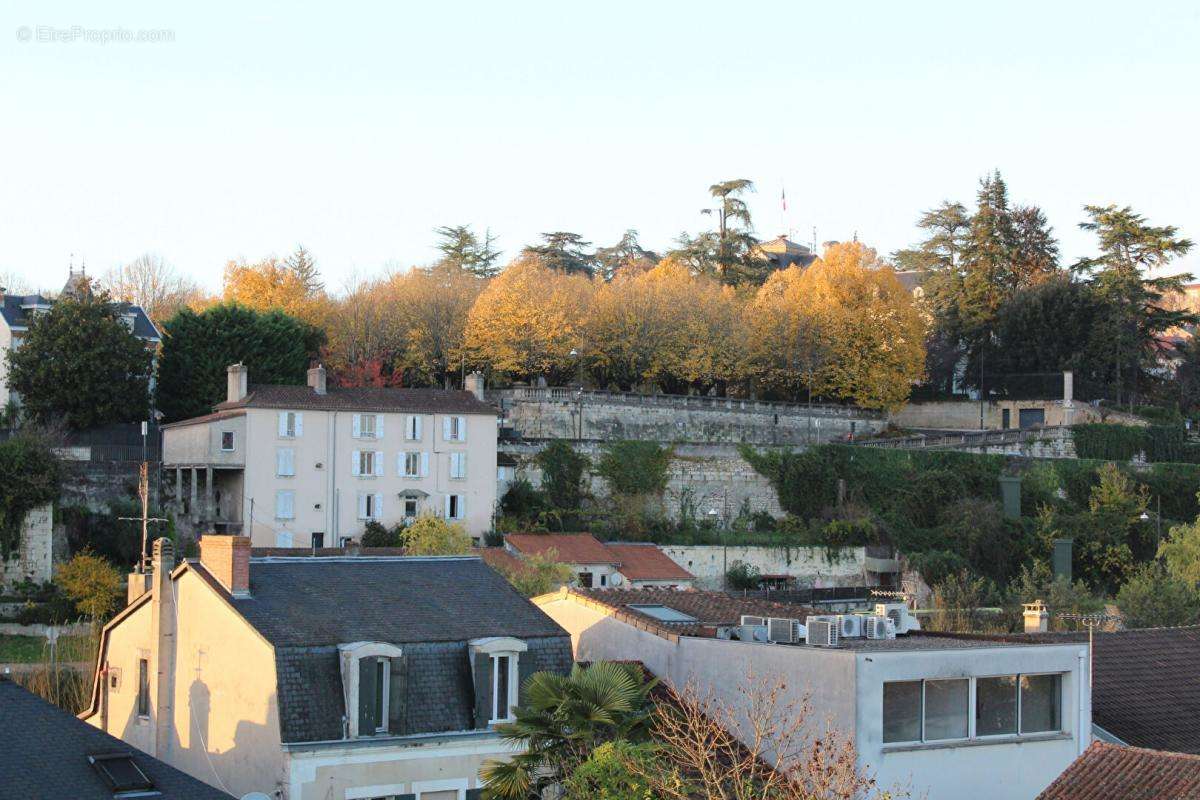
x: 412, y: 464
x: 367, y: 683
x: 370, y: 506
x: 958, y: 709
x: 412, y: 428
x: 285, y: 462
x: 454, y: 429
x: 501, y: 656
x: 367, y: 426
x: 228, y: 441
x: 455, y: 506
x: 458, y: 466
x: 504, y: 687
x: 285, y: 504
x: 410, y: 508
x: 366, y: 463
x: 291, y: 424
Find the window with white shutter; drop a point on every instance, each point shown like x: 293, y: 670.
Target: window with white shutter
x: 458, y: 466
x: 377, y: 463
x: 285, y: 504
x: 368, y: 505
x: 365, y: 426
x: 285, y: 462
x: 454, y: 429
x: 287, y: 424
x: 366, y: 462
x: 454, y: 506
x: 356, y: 463
x: 412, y: 428
x: 377, y: 507
x: 424, y: 465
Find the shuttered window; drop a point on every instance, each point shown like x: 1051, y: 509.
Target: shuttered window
x: 458, y: 465
x: 412, y: 428
x: 455, y: 506
x: 454, y: 429
x: 291, y: 424
x: 285, y: 462
x: 370, y: 506
x: 409, y: 464
x: 285, y: 504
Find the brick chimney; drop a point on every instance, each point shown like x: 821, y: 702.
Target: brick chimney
x: 474, y: 385
x: 227, y: 558
x: 238, y: 376
x: 1037, y: 619
x: 316, y: 379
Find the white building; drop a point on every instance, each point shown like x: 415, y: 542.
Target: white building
x: 954, y: 717
x: 632, y: 565
x: 304, y: 466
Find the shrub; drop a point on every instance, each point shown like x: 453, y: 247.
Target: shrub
x: 30, y: 475
x: 376, y: 534
x: 742, y: 576
x: 634, y: 467
x: 93, y: 584
x: 562, y: 475
x: 1152, y: 598
x: 434, y: 536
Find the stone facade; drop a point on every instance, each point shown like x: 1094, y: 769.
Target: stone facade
x: 813, y: 566
x: 34, y: 560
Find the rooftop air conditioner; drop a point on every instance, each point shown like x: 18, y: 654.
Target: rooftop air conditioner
x: 799, y: 632
x: 822, y: 632
x: 749, y: 620
x: 899, y: 615
x: 879, y: 627
x: 850, y: 626
x: 781, y: 630
x: 752, y: 633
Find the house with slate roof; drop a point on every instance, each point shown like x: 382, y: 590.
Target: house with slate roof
x: 321, y: 676
x: 48, y: 753
x: 17, y: 310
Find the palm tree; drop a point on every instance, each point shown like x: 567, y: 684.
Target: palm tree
x: 563, y: 720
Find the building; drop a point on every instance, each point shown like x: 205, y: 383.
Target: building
x: 1111, y: 772
x: 781, y: 253
x: 48, y: 753
x: 17, y: 310
x: 310, y: 466
x: 317, y: 677
x: 631, y: 565
x: 949, y: 716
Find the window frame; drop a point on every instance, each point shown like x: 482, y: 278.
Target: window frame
x: 291, y: 459
x: 143, y: 693
x: 454, y: 506
x: 350, y: 657
x: 458, y: 458
x: 289, y: 427
x: 363, y: 433
x: 232, y: 441
x: 290, y: 494
x: 511, y: 679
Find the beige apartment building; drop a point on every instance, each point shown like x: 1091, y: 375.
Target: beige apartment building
x: 304, y: 466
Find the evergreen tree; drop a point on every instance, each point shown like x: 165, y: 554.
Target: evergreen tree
x: 626, y: 256
x: 197, y: 348
x: 564, y: 252
x: 736, y: 260
x: 461, y: 248
x: 302, y: 264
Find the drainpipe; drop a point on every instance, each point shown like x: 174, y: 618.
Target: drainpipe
x: 1084, y: 736
x: 331, y: 484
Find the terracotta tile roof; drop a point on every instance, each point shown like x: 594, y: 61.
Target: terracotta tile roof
x: 646, y: 562
x: 572, y: 548
x: 213, y: 417
x: 1111, y: 772
x: 500, y: 559
x: 363, y: 398
x: 710, y: 609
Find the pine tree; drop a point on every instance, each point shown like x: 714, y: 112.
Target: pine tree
x: 302, y: 264
x: 461, y: 248
x: 563, y: 251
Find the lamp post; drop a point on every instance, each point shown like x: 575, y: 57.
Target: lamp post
x: 1145, y: 517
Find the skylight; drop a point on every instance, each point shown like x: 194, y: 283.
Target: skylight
x: 120, y: 773
x: 663, y: 613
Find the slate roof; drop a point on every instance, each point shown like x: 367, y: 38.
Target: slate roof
x: 1111, y: 772
x: 362, y: 398
x: 44, y: 754
x: 16, y: 317
x: 572, y: 548
x: 647, y: 562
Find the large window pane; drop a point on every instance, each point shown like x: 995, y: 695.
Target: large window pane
x: 946, y: 709
x: 1040, y: 701
x: 996, y: 705
x: 902, y: 711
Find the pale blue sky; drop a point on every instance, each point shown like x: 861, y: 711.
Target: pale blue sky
x: 356, y: 128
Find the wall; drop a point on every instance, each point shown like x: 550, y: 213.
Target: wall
x: 964, y: 414
x: 710, y: 562
x: 980, y: 771
x: 34, y: 559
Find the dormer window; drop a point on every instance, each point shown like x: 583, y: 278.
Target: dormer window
x: 374, y: 685
x: 497, y: 673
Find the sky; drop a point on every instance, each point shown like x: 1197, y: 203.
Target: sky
x: 357, y: 128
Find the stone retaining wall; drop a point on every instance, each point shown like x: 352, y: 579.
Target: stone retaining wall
x: 812, y: 566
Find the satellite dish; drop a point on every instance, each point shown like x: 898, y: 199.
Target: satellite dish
x: 616, y: 579
x: 256, y: 796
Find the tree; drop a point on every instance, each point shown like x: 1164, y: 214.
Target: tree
x: 868, y: 325
x: 528, y: 320
x: 562, y: 720
x: 1180, y: 553
x: 80, y: 363
x: 614, y: 771
x: 302, y: 265
x: 271, y: 284
x: 787, y: 348
x: 1153, y: 598
x: 152, y: 283
x: 462, y: 249
x: 30, y: 475
x: 433, y: 536
x: 563, y: 472
x: 538, y: 574
x: 93, y: 584
x: 736, y: 260
x: 1131, y: 250
x: 563, y: 251
x: 197, y: 348
x: 635, y: 467
x: 626, y: 257
x: 432, y: 307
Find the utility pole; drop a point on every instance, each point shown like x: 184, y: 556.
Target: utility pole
x: 145, y: 518
x: 1091, y: 621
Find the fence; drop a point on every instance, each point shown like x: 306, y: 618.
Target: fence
x: 680, y: 401
x: 116, y: 442
x: 810, y: 597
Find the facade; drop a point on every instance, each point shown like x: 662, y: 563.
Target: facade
x: 620, y: 564
x: 310, y: 466
x: 321, y: 677
x: 16, y: 310
x: 49, y: 753
x: 948, y: 717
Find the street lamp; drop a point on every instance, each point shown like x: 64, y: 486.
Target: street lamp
x: 1145, y: 517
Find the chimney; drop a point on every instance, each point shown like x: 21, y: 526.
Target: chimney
x: 1037, y: 619
x: 237, y: 378
x: 474, y: 385
x: 139, y: 584
x: 227, y: 558
x: 162, y: 642
x: 316, y: 379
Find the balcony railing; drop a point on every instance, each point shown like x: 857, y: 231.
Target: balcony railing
x: 680, y: 401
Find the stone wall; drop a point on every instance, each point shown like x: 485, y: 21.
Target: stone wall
x: 34, y: 560
x: 812, y: 566
x: 964, y: 414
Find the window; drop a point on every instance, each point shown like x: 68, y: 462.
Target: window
x: 227, y: 441
x: 143, y: 696
x: 318, y: 539
x: 345, y: 541
x: 937, y: 710
x: 120, y: 773
x: 458, y: 466
x: 454, y: 429
x: 585, y: 580
x: 285, y: 504
x: 413, y: 464
x: 502, y: 699
x: 412, y: 428
x: 285, y: 462
x: 373, y: 677
x: 664, y: 613
x: 370, y: 506
x: 291, y: 424
x: 410, y: 507
x: 364, y: 463
x: 381, y: 695
x: 454, y: 506
x: 367, y: 426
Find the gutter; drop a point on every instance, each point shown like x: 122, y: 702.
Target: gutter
x: 412, y: 740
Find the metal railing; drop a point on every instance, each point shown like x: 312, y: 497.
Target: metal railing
x: 966, y: 439
x: 681, y: 401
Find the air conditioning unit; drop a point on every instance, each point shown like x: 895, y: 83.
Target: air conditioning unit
x: 822, y: 632
x: 751, y: 633
x: 799, y: 632
x: 850, y: 626
x: 781, y: 630
x: 879, y: 627
x: 749, y: 620
x: 899, y: 615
